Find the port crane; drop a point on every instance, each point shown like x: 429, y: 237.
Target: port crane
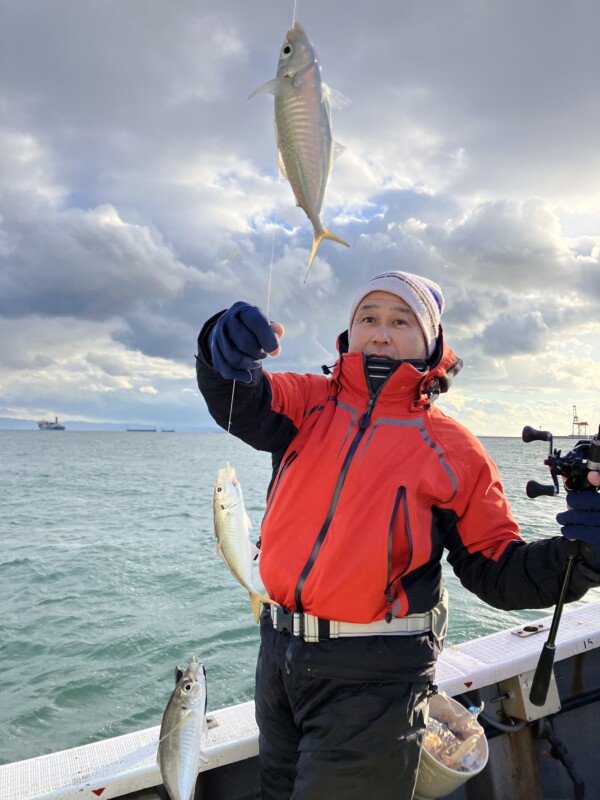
x: 579, y: 427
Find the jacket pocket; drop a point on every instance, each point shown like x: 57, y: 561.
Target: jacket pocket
x: 400, y: 509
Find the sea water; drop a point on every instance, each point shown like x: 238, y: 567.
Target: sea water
x: 109, y: 577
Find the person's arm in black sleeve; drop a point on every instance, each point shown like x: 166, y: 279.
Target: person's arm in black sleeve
x: 526, y: 575
x: 252, y: 418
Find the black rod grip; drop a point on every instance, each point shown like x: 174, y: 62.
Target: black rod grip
x: 543, y: 674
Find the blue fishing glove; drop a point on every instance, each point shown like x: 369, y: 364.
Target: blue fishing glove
x: 241, y: 338
x: 581, y: 521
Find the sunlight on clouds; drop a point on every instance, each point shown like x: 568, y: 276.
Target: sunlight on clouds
x: 27, y: 169
x: 107, y: 215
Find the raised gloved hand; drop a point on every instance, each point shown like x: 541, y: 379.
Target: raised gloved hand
x: 241, y: 338
x: 581, y: 521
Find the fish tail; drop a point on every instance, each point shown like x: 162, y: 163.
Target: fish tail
x: 319, y: 236
x: 256, y: 598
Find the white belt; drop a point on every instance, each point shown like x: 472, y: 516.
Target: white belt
x: 314, y: 629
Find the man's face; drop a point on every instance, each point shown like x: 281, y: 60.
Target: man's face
x: 386, y: 327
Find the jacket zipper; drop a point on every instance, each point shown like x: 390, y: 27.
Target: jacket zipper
x: 363, y: 424
x: 399, y: 501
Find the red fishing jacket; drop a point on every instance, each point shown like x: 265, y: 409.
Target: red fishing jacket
x: 369, y: 490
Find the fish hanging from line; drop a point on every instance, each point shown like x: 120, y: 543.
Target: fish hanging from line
x: 232, y: 526
x: 303, y: 129
x: 183, y: 727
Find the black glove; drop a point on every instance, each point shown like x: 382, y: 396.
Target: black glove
x: 241, y: 338
x: 581, y: 521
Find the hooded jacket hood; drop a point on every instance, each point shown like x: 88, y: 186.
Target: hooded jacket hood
x: 443, y: 366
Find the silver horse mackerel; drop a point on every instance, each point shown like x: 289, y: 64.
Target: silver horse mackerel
x: 232, y: 528
x: 183, y: 728
x: 303, y: 128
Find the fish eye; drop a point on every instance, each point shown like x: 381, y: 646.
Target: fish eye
x: 219, y: 489
x: 187, y: 687
x: 286, y: 50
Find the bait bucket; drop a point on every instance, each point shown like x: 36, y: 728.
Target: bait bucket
x: 435, y: 779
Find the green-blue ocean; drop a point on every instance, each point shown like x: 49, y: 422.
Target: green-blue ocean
x: 109, y: 577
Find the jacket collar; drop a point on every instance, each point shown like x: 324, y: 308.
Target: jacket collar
x: 406, y: 388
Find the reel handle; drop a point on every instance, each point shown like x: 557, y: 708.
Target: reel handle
x: 530, y: 434
x: 534, y: 489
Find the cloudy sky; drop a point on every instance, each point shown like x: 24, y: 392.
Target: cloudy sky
x: 132, y: 166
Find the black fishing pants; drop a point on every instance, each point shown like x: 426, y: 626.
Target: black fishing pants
x: 342, y: 719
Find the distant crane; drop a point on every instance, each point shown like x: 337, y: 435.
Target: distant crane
x: 579, y: 428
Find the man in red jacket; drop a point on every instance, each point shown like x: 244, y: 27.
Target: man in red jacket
x: 371, y: 485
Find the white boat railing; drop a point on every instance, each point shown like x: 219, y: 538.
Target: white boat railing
x: 124, y: 764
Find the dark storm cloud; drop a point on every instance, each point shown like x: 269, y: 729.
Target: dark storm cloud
x: 84, y: 264
x: 159, y: 333
x: 515, y: 334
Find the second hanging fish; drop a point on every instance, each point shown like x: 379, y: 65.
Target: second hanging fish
x: 303, y: 129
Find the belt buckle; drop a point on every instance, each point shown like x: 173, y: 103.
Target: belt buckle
x: 287, y: 620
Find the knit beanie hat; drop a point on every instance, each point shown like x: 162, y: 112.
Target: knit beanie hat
x: 422, y: 295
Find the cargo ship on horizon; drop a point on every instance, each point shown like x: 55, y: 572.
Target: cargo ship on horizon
x: 44, y: 425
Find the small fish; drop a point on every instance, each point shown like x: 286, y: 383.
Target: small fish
x: 231, y: 257
x: 232, y: 531
x: 181, y: 732
x: 303, y: 129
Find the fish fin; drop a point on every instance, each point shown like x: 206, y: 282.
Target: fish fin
x: 256, y: 598
x: 336, y: 151
x: 323, y: 234
x: 255, y: 603
x: 248, y: 523
x: 334, y: 98
x: 282, y: 171
x: 270, y: 87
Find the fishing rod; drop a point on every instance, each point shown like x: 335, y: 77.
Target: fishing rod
x: 574, y: 468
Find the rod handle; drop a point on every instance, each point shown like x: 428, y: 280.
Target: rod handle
x: 543, y: 674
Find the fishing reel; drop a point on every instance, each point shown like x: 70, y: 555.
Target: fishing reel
x: 573, y: 467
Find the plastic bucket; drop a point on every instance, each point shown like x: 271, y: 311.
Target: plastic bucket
x: 435, y: 779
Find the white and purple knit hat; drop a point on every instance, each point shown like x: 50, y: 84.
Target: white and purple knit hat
x: 423, y: 296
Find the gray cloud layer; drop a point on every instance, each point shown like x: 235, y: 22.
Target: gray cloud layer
x: 132, y: 166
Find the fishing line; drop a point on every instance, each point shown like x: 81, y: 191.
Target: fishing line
x: 271, y: 262
x: 279, y: 182
x: 231, y: 407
